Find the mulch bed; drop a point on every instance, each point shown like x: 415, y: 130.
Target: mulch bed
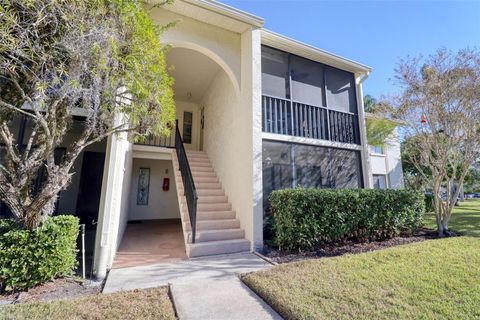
x: 62, y: 288
x: 347, y: 247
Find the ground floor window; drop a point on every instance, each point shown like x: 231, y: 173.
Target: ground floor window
x: 379, y: 181
x: 290, y: 165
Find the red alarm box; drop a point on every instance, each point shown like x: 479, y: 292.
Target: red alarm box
x: 166, y: 184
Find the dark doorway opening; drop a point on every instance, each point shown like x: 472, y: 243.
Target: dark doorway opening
x: 90, y: 188
x: 88, y: 202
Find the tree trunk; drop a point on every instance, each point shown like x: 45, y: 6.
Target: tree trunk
x: 443, y: 228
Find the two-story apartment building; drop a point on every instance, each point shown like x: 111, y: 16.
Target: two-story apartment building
x: 256, y: 112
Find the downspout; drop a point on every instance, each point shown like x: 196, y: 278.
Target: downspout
x: 367, y: 169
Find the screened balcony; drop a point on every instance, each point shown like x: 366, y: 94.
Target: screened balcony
x: 307, y: 99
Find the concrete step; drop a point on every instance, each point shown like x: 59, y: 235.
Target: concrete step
x: 207, y: 185
x: 196, y: 152
x: 210, y: 215
x: 196, y: 164
x: 217, y: 247
x: 198, y: 159
x: 212, y: 199
x: 198, y: 174
x: 217, y: 235
x: 210, y: 192
x: 222, y: 206
x: 215, y: 224
x: 202, y: 192
x: 205, y: 179
x: 207, y: 174
x: 201, y: 169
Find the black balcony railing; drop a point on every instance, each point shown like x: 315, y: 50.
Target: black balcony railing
x: 282, y: 116
x: 154, y: 141
x: 344, y: 127
x: 188, y: 184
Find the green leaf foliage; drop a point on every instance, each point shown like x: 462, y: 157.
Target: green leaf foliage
x: 83, y: 53
x: 378, y: 130
x: 29, y: 258
x: 304, y: 218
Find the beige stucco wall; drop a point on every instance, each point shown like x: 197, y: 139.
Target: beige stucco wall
x: 161, y: 204
x: 219, y: 44
x: 230, y: 140
x: 114, y: 205
x: 390, y: 162
x: 378, y: 163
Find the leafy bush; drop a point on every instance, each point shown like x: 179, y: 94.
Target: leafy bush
x: 303, y: 218
x: 429, y: 205
x: 29, y: 258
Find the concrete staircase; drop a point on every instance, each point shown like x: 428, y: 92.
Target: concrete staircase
x: 218, y: 231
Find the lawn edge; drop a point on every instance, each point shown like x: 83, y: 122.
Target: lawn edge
x: 259, y: 295
x: 172, y: 300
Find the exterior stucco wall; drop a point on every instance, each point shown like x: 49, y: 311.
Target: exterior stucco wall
x: 230, y: 140
x: 230, y: 136
x: 389, y: 163
x: 161, y: 204
x: 378, y: 163
x: 255, y: 55
x: 113, y: 211
x: 394, y: 161
x: 222, y: 46
x: 224, y: 141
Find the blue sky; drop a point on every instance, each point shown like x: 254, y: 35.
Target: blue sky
x: 376, y: 33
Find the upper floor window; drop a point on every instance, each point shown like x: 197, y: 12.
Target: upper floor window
x: 307, y: 81
x: 274, y: 73
x: 378, y: 149
x: 340, y: 86
x: 379, y: 181
x: 288, y: 76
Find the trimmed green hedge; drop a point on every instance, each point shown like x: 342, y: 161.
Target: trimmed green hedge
x: 303, y: 218
x: 29, y: 258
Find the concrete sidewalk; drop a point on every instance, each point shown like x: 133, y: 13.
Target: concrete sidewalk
x: 202, y: 288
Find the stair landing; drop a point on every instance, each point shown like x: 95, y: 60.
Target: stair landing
x: 218, y: 230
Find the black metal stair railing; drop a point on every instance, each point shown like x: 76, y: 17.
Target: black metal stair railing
x: 187, y: 178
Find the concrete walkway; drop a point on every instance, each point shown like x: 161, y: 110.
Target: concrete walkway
x: 202, y: 288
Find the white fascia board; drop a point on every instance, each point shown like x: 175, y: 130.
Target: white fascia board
x: 299, y: 48
x: 229, y: 11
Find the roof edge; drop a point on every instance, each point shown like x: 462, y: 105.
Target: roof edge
x: 229, y: 11
x: 310, y: 51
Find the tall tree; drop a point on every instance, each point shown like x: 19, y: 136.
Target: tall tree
x: 57, y: 57
x: 369, y: 103
x: 440, y: 109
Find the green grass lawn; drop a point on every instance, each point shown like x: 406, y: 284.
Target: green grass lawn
x: 140, y: 304
x: 465, y: 218
x: 435, y: 279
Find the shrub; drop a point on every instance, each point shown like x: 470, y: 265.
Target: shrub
x: 29, y: 258
x: 303, y: 218
x: 429, y: 205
